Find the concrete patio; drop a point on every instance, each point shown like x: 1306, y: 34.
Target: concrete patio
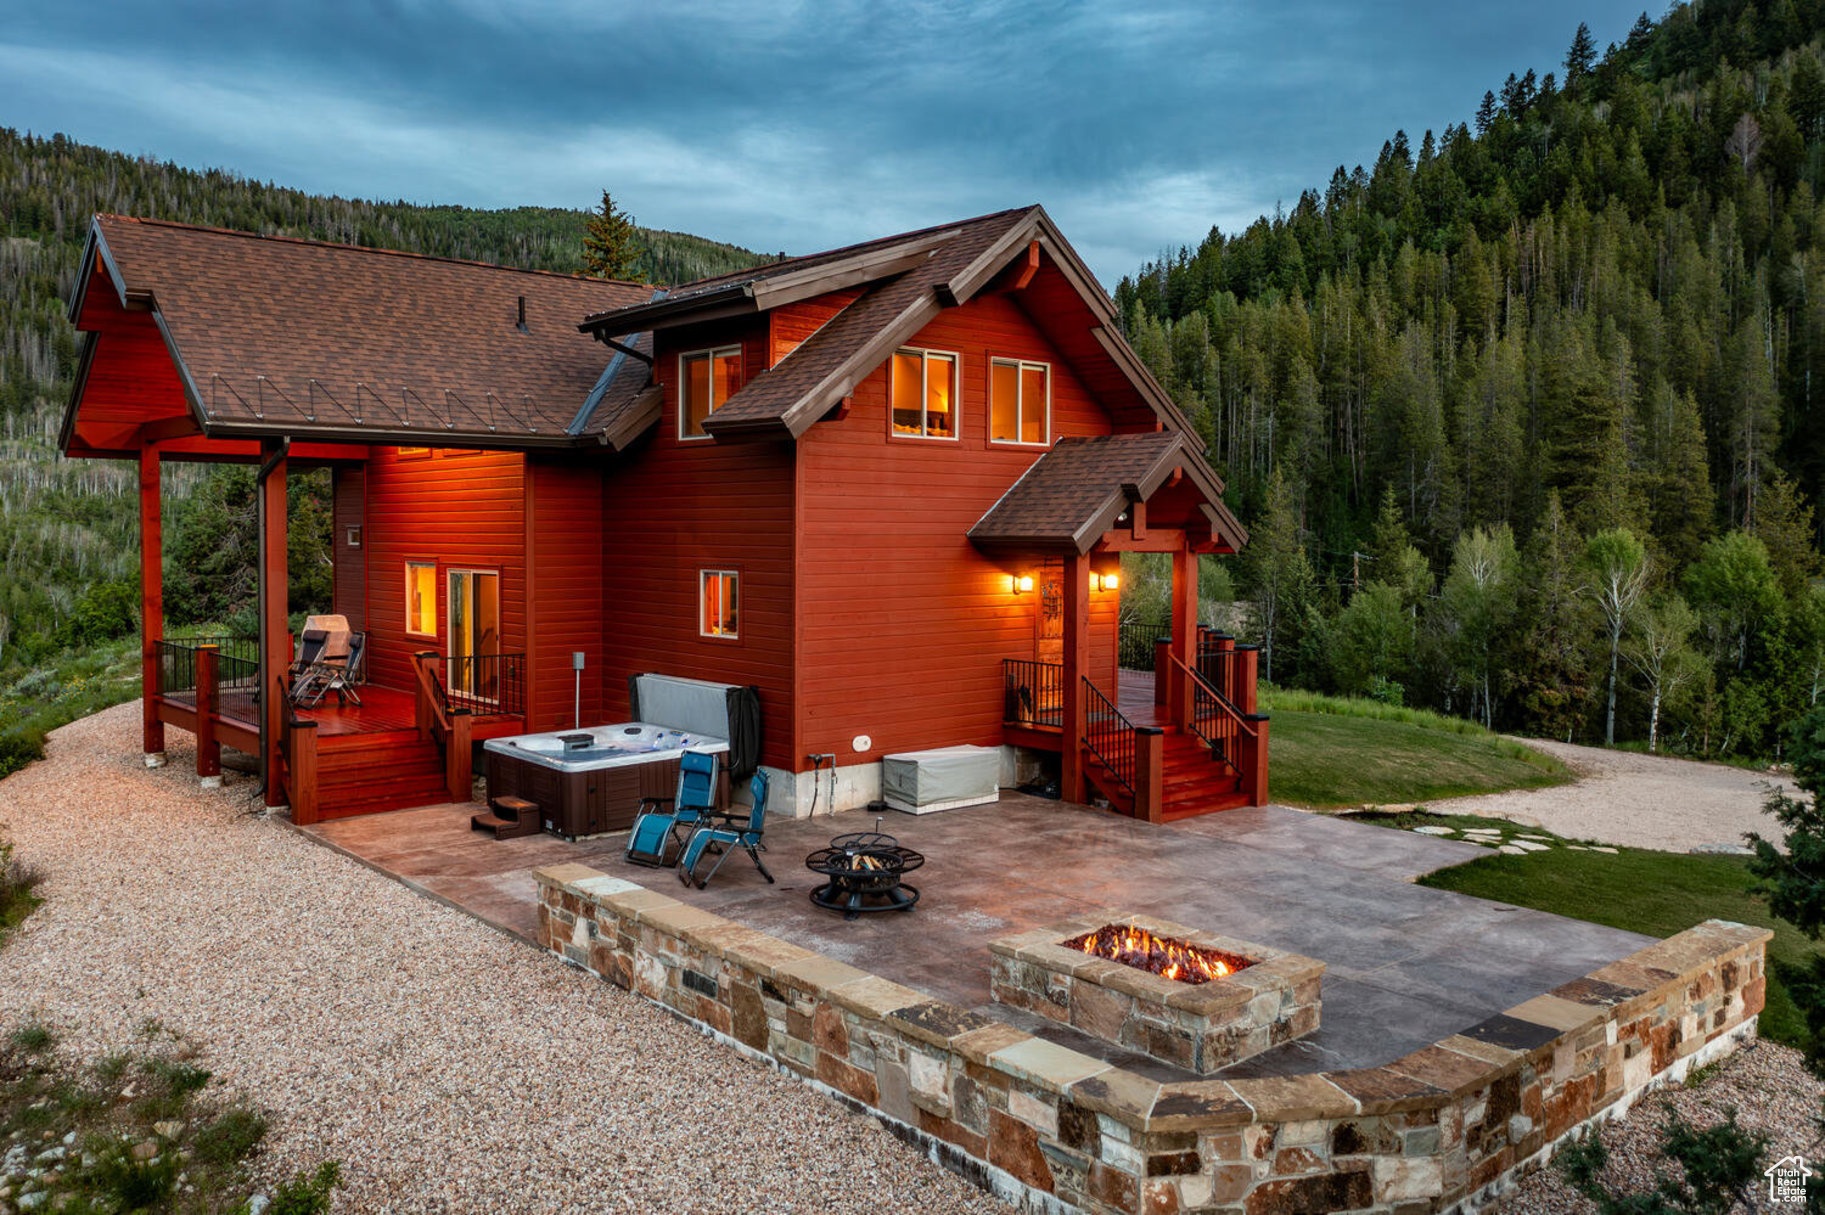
x: 1407, y: 966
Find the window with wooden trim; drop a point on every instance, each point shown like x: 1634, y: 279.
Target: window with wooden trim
x: 922, y: 389
x: 719, y: 593
x: 706, y: 379
x: 421, y: 598
x: 1020, y: 402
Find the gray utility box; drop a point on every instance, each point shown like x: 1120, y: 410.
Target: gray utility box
x: 920, y: 782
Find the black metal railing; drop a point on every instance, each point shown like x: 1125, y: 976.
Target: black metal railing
x: 1033, y: 692
x: 1108, y: 735
x: 1216, y: 719
x: 481, y: 684
x: 237, y: 662
x: 1135, y: 643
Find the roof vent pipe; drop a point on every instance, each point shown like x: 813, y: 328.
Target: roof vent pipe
x: 521, y: 325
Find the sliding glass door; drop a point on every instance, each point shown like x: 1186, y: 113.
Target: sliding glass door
x: 475, y: 633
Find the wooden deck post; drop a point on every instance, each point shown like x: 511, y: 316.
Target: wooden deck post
x: 1254, y: 761
x: 459, y: 772
x: 151, y: 602
x: 1184, y: 632
x: 1076, y: 665
x: 208, y: 703
x: 1149, y: 773
x: 1247, y: 665
x: 1162, y: 671
x: 275, y: 595
x: 301, y: 771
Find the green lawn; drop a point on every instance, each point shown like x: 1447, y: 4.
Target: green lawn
x: 1657, y: 893
x: 1336, y: 756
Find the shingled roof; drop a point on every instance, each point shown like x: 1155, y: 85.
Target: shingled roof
x: 1078, y: 489
x: 274, y: 335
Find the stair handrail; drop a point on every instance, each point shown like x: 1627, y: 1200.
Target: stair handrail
x: 1108, y: 735
x: 1215, y: 718
x: 430, y: 699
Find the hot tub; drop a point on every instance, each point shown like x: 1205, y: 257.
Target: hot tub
x: 590, y: 781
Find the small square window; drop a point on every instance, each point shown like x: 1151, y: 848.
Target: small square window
x: 706, y: 380
x: 718, y: 599
x: 1020, y: 402
x: 421, y: 598
x: 922, y: 385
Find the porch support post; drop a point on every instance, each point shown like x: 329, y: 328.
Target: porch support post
x: 1254, y: 761
x: 275, y: 632
x: 151, y: 602
x: 208, y: 749
x: 1076, y: 591
x: 1149, y: 774
x: 1184, y: 631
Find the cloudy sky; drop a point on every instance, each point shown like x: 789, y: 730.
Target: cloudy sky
x: 785, y: 126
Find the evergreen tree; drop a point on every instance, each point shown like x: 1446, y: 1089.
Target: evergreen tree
x: 1581, y: 57
x: 1784, y: 524
x: 1486, y: 112
x: 611, y: 243
x: 1278, y: 572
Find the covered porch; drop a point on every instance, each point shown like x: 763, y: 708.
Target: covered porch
x: 1190, y: 743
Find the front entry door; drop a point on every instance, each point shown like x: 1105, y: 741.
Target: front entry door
x: 475, y: 632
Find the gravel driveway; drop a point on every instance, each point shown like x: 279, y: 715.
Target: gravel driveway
x: 447, y: 1066
x: 1635, y: 800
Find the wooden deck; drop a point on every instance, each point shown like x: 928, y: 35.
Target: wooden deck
x: 381, y: 710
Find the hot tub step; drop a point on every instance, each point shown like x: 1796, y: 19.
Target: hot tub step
x: 503, y: 829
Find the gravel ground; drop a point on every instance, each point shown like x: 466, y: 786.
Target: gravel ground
x: 1635, y: 800
x: 448, y: 1067
x: 1767, y: 1085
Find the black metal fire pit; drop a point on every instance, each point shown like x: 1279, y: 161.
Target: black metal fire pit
x: 865, y: 871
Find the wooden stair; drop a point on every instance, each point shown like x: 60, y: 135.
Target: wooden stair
x: 387, y: 770
x: 1194, y: 782
x: 507, y: 817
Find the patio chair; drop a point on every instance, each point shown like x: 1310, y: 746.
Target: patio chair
x: 732, y: 834
x: 338, y: 675
x: 322, y: 639
x: 662, y: 821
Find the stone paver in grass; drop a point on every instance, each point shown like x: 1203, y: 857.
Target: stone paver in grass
x: 1530, y: 845
x: 1511, y: 850
x: 1436, y: 830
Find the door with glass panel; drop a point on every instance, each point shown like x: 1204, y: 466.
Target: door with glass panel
x: 475, y: 634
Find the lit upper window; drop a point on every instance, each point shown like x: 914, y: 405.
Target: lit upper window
x: 706, y: 379
x: 922, y: 385
x: 718, y: 595
x: 1020, y: 402
x: 421, y: 598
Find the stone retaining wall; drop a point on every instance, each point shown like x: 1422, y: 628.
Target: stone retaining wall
x: 1042, y: 1125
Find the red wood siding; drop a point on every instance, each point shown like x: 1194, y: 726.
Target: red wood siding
x: 902, y: 623
x: 464, y: 512
x: 131, y: 378
x: 564, y: 525
x: 674, y: 508
x: 791, y: 324
x: 349, y: 566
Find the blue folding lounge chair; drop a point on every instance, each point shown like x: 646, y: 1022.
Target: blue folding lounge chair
x: 656, y: 832
x: 732, y: 834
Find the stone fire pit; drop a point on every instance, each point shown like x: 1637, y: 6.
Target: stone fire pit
x: 1271, y: 996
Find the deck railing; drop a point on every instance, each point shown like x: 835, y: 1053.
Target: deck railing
x: 1136, y: 642
x: 482, y: 684
x: 1033, y: 693
x: 1225, y: 729
x: 237, y: 662
x: 1108, y: 735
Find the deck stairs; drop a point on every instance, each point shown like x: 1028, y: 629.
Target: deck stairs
x: 1193, y: 781
x: 385, y: 770
x: 507, y: 818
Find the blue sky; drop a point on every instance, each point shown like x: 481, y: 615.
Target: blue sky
x: 785, y: 126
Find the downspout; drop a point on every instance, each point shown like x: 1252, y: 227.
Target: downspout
x: 266, y: 676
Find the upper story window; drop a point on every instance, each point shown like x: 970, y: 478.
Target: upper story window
x: 718, y: 597
x: 922, y: 385
x: 1020, y: 402
x: 421, y: 598
x: 706, y: 378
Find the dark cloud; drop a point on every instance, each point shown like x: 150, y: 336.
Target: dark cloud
x: 790, y: 126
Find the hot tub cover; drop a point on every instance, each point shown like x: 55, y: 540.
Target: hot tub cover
x: 700, y: 706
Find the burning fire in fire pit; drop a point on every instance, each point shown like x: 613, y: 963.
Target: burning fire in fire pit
x: 1162, y: 956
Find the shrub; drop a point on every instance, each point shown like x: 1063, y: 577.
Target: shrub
x: 307, y: 1194
x: 1718, y: 1166
x: 231, y: 1137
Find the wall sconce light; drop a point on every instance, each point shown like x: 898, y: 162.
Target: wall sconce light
x: 1020, y: 584
x: 1106, y: 582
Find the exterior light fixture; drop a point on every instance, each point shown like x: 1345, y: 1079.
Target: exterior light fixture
x: 1107, y: 582
x: 1020, y: 584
